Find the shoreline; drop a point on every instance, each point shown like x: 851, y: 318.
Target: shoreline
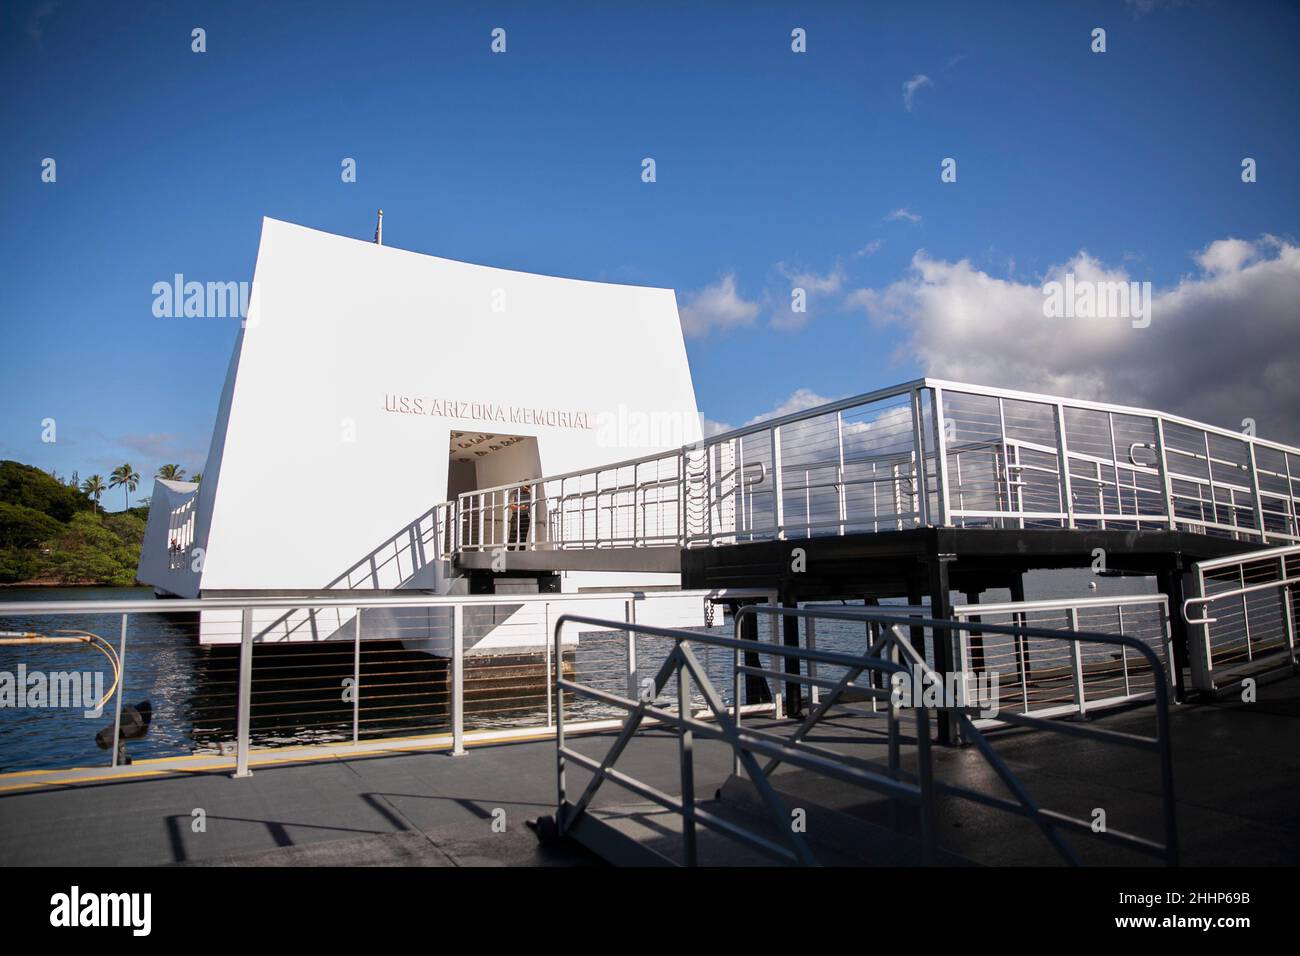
x: 49, y: 583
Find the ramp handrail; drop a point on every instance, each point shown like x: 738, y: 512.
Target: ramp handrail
x: 954, y: 455
x: 747, y: 744
x: 1088, y: 680
x: 1236, y: 632
x: 1048, y: 821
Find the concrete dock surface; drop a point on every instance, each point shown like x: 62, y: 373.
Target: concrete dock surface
x: 1236, y: 768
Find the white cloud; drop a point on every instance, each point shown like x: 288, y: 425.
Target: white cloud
x: 1220, y: 347
x: 911, y: 87
x: 870, y: 249
x: 810, y: 281
x: 711, y: 428
x: 717, y: 306
x: 798, y: 400
x: 1226, y: 255
x: 814, y: 285
x: 902, y: 213
x: 154, y: 448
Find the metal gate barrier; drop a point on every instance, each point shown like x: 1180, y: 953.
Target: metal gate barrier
x: 890, y: 659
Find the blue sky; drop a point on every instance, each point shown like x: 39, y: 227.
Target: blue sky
x: 770, y: 165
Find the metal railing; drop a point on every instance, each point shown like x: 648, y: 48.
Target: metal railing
x: 1241, y: 615
x: 1052, y: 823
x: 891, y: 656
x: 929, y: 452
x: 226, y: 676
x: 724, y: 724
x: 1057, y: 677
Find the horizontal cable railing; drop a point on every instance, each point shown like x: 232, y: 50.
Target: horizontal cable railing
x: 1050, y: 677
x: 1241, y: 614
x: 221, y: 676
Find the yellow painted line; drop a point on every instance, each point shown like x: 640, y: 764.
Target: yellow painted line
x: 68, y: 780
x: 335, y: 752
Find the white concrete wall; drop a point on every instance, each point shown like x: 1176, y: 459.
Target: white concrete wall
x: 500, y: 626
x: 172, y: 514
x: 309, y: 473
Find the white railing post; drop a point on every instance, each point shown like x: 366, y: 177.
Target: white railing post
x: 356, y: 682
x: 458, y: 680
x: 1288, y: 615
x: 839, y: 473
x: 629, y: 617
x: 967, y: 676
x: 778, y: 491
x: 941, y: 458
x: 1063, y: 466
x: 918, y: 465
x: 778, y: 696
x: 1123, y: 651
x: 636, y: 504
x: 121, y: 690
x: 1162, y: 459
x: 1076, y: 664
x: 1256, y: 500
x: 814, y: 692
x: 245, y: 694
x: 546, y: 631
x: 1168, y: 634
x: 1200, y: 650
x: 686, y: 754
x: 1013, y: 487
x: 1292, y: 520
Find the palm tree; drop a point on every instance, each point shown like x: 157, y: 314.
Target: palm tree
x: 197, y: 477
x: 127, y: 477
x: 94, y: 487
x: 171, y: 472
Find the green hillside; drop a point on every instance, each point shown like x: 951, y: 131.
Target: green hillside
x: 52, y: 532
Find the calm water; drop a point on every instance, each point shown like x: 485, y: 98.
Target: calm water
x: 165, y: 666
x: 159, y: 667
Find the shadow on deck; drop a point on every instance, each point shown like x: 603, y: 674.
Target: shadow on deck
x: 1234, y: 768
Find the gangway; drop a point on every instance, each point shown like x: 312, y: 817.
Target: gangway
x: 928, y: 453
x: 911, y: 492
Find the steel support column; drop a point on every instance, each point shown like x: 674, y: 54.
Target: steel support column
x: 941, y: 609
x: 756, y: 689
x: 790, y: 638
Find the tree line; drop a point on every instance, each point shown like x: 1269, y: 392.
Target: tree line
x: 54, y: 531
x: 128, y: 479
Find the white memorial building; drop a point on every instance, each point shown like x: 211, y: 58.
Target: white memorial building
x: 370, y: 384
